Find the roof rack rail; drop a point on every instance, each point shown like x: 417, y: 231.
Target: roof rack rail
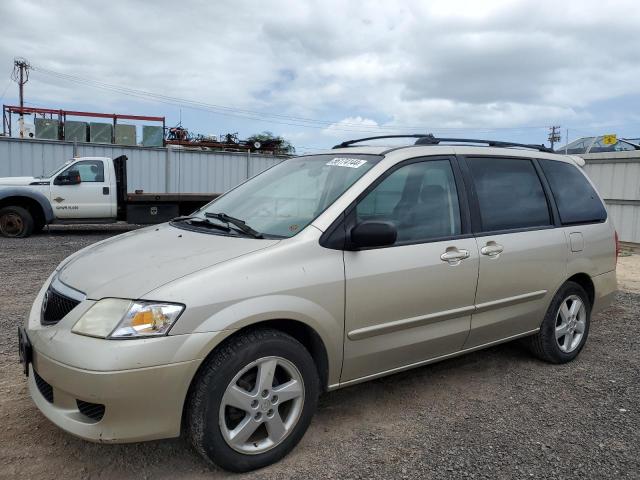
x: 429, y: 139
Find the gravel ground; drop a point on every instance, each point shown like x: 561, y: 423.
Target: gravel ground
x: 497, y: 413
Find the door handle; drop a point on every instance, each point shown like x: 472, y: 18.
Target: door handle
x: 492, y: 249
x: 453, y: 256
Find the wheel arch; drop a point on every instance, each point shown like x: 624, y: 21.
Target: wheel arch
x: 302, y: 332
x: 585, y: 281
x: 581, y: 278
x: 35, y: 202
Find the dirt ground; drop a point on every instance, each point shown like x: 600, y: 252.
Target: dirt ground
x: 497, y: 413
x: 629, y: 272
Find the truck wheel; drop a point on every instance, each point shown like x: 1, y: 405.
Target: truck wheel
x: 15, y: 222
x: 565, y: 327
x: 252, y: 400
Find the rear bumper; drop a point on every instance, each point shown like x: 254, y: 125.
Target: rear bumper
x: 605, y: 286
x: 140, y: 404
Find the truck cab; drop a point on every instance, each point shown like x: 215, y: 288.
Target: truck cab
x: 85, y: 190
x: 82, y: 189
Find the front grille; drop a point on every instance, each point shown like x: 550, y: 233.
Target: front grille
x: 94, y: 411
x: 45, y: 389
x: 55, y: 306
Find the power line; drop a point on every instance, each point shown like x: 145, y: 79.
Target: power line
x: 6, y: 88
x: 289, y: 120
x: 338, y: 125
x: 218, y: 109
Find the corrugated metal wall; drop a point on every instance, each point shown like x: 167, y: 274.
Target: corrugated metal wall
x: 173, y: 170
x: 150, y: 169
x: 617, y: 176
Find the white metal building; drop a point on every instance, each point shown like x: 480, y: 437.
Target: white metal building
x: 163, y: 169
x: 617, y: 176
x: 174, y: 170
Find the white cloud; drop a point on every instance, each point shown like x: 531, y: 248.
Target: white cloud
x: 437, y: 64
x: 350, y: 124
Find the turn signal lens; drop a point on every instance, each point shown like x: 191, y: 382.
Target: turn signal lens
x: 147, y: 319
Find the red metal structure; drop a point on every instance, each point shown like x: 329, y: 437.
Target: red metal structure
x: 8, y: 110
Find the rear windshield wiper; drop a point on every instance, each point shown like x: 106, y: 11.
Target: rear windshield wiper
x: 239, y: 224
x: 198, y: 221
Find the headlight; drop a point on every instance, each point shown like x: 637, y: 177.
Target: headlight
x: 116, y: 318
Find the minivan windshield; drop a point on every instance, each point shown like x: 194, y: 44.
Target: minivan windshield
x: 286, y: 198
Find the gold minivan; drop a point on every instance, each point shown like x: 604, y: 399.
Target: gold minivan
x: 322, y: 272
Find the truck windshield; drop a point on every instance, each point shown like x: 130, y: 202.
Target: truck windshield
x: 59, y: 167
x: 286, y: 198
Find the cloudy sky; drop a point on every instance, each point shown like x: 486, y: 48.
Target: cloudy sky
x: 321, y: 71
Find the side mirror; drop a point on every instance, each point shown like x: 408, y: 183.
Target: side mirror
x: 373, y: 233
x: 72, y: 177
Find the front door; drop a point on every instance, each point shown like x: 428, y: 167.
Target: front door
x: 411, y: 301
x: 91, y: 198
x: 522, y: 255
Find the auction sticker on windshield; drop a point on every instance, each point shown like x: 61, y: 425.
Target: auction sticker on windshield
x: 346, y: 162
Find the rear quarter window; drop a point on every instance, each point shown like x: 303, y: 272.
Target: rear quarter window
x: 576, y: 199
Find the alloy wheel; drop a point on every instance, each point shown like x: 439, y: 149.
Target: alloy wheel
x: 261, y: 405
x: 571, y: 322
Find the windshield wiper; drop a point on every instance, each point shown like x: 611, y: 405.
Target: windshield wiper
x: 198, y: 221
x: 239, y: 224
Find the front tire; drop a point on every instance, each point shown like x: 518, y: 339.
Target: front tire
x: 252, y: 400
x: 15, y: 222
x: 565, y: 327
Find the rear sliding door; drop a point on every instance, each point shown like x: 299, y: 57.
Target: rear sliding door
x: 523, y: 255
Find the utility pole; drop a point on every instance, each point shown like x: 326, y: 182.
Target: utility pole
x: 554, y: 135
x: 20, y: 75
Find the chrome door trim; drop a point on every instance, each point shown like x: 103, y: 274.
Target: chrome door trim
x: 503, y: 302
x: 431, y: 360
x: 412, y: 322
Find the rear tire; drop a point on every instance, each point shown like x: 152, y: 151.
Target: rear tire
x: 228, y: 399
x: 565, y: 327
x: 15, y: 222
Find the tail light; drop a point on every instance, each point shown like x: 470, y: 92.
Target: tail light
x: 617, y: 246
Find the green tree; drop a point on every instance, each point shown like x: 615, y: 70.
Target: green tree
x: 270, y: 142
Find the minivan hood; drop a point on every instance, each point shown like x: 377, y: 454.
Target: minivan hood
x: 17, y: 181
x: 133, y: 264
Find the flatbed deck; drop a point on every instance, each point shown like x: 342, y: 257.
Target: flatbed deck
x: 170, y: 197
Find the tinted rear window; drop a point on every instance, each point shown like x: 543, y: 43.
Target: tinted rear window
x: 509, y: 193
x: 576, y: 199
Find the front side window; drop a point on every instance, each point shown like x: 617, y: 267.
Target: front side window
x: 421, y: 199
x: 90, y: 170
x: 576, y: 199
x: 510, y: 194
x: 286, y: 198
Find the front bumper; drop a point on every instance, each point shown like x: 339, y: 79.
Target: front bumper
x: 141, y: 383
x: 139, y: 404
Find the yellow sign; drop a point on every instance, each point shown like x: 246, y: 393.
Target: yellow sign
x: 610, y: 139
